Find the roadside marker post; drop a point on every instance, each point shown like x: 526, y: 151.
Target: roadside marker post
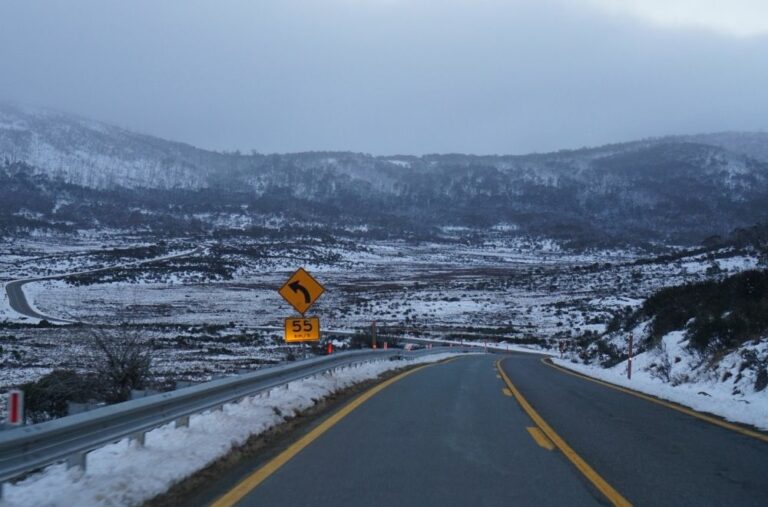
x: 629, y: 361
x: 15, y: 407
x: 373, y: 334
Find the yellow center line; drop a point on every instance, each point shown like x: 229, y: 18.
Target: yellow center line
x: 540, y: 438
x: 601, y: 484
x: 242, y: 489
x: 673, y: 406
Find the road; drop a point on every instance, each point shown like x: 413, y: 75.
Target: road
x: 449, y: 434
x: 18, y: 300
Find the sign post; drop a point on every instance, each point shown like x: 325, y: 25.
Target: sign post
x: 301, y: 291
x: 15, y: 407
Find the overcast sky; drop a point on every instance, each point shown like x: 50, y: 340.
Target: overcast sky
x: 393, y: 76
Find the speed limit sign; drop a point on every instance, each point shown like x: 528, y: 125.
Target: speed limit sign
x: 302, y: 329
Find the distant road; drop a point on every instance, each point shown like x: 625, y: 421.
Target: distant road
x: 19, y: 303
x: 453, y: 435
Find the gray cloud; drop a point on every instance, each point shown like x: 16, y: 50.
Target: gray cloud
x: 381, y: 76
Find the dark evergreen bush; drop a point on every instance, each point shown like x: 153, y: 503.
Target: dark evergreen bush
x: 718, y: 313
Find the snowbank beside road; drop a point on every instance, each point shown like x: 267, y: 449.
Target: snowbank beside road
x: 126, y: 474
x: 673, y: 372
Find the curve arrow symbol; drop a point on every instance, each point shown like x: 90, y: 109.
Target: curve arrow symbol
x: 297, y: 287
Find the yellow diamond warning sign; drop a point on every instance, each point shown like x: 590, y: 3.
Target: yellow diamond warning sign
x: 304, y: 329
x: 301, y: 290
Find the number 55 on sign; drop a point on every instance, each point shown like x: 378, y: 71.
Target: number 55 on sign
x: 302, y: 329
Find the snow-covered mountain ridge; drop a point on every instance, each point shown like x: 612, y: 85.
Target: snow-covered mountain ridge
x: 94, y: 154
x: 667, y: 189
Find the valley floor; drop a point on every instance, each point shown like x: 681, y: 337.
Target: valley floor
x: 218, y: 311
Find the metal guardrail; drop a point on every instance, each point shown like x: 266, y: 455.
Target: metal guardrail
x: 70, y: 438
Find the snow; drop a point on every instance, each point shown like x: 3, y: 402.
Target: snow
x: 521, y: 286
x: 617, y: 302
x: 738, y: 263
x: 502, y: 346
x: 676, y: 373
x: 126, y: 474
x: 8, y: 314
x: 32, y: 291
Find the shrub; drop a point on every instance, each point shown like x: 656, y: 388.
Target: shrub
x: 722, y: 314
x: 122, y: 362
x: 47, y: 397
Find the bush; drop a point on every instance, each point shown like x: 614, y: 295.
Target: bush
x: 122, y: 362
x: 761, y: 382
x: 47, y: 398
x: 722, y: 314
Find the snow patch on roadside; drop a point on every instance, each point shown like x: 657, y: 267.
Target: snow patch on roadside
x: 125, y: 474
x: 675, y: 372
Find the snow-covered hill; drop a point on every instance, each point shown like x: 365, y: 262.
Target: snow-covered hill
x: 676, y: 189
x: 705, y: 339
x: 93, y: 154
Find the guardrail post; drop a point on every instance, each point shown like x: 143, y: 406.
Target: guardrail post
x: 77, y: 460
x: 139, y: 438
x: 182, y: 422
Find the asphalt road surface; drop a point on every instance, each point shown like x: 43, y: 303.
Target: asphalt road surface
x: 449, y: 435
x: 18, y: 300
x: 651, y: 454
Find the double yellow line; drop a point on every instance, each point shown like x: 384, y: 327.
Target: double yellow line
x: 601, y: 484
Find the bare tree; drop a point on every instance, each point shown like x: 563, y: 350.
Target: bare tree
x: 122, y: 360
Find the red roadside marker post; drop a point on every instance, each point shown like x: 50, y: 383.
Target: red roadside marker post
x: 373, y: 334
x: 15, y: 407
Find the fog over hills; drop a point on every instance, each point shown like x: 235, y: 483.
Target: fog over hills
x: 672, y: 189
